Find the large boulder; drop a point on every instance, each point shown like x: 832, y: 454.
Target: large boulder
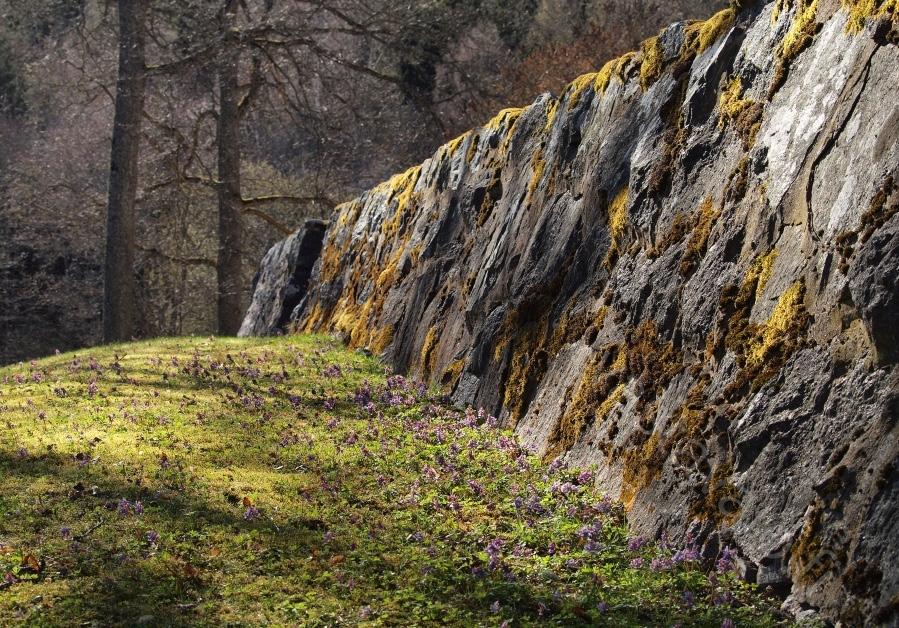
x: 282, y: 280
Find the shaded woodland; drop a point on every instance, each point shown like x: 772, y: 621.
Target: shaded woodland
x: 252, y: 115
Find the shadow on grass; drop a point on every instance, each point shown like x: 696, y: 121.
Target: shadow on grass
x: 115, y: 578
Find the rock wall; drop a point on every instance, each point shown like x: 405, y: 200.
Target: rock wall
x: 682, y: 271
x: 282, y: 280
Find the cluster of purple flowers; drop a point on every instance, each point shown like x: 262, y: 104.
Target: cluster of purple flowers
x: 564, y: 488
x: 591, y: 535
x: 725, y: 562
x: 494, y: 554
x: 635, y: 543
x: 332, y: 371
x: 661, y: 564
x: 252, y: 402
x: 127, y: 508
x: 690, y: 553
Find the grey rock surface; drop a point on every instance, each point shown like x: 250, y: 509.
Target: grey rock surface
x: 282, y: 280
x: 682, y: 271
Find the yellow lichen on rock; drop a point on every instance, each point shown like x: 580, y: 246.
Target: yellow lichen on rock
x: 618, y: 213
x: 642, y: 464
x: 382, y: 339
x: 577, y: 87
x: 862, y: 10
x: 538, y: 164
x: 452, y: 373
x: 613, y: 68
x: 779, y: 325
x: 765, y: 266
x: 505, y: 117
x: 700, y: 35
x: 802, y: 29
x: 651, y: 65
x: 744, y: 114
x: 450, y: 148
x: 398, y: 188
x: 699, y: 237
x: 617, y: 217
x: 428, y: 356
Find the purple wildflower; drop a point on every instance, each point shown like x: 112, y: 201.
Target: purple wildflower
x: 661, y: 564
x: 637, y: 563
x: 66, y: 533
x: 332, y: 371
x: 635, y: 543
x: 494, y: 608
x: 251, y: 513
x: 585, y: 477
x: 725, y: 562
x: 689, y: 599
x: 687, y: 554
x: 152, y: 537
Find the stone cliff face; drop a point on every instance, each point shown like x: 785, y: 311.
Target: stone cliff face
x: 682, y: 271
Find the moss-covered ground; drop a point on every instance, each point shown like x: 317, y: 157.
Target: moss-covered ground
x: 292, y: 482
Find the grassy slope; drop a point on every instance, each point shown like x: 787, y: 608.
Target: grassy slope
x: 269, y: 495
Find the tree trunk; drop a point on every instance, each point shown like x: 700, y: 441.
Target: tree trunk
x: 230, y: 243
x: 119, y: 311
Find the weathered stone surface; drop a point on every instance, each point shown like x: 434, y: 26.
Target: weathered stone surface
x: 682, y: 271
x: 282, y: 280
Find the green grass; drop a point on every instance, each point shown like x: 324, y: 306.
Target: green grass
x: 270, y: 496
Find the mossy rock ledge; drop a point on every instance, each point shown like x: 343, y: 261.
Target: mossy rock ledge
x: 682, y: 271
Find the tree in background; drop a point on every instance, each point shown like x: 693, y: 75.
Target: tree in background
x: 335, y: 96
x: 118, y: 292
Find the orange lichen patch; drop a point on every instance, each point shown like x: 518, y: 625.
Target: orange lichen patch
x: 642, y: 464
x: 878, y: 213
x: 472, y: 148
x: 693, y: 415
x: 382, y: 339
x: 642, y: 357
x: 598, y: 392
x: 817, y: 550
x: 654, y: 363
x: 428, y: 357
x: 721, y: 503
x: 676, y: 232
x: 452, y: 373
x: 699, y: 237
